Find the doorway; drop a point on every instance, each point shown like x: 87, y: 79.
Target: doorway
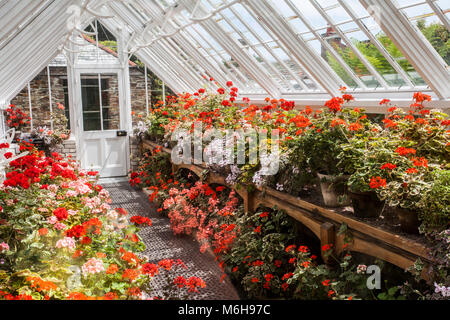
x: 103, y: 141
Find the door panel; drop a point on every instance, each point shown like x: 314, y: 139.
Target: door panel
x: 92, y: 156
x: 101, y: 149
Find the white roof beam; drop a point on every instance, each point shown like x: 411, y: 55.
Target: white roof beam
x: 15, y: 15
x: 412, y: 43
x: 31, y: 50
x: 165, y: 53
x: 158, y: 67
x: 246, y: 61
x: 156, y: 13
x: 297, y: 47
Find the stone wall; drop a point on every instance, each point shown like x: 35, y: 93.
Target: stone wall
x: 58, y: 77
x: 135, y: 153
x: 68, y: 149
x: 40, y: 96
x: 138, y: 100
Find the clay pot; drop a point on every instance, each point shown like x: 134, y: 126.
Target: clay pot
x: 366, y: 204
x: 409, y: 220
x: 333, y: 192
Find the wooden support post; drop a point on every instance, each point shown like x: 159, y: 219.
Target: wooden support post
x: 249, y: 202
x: 327, y: 237
x: 174, y: 169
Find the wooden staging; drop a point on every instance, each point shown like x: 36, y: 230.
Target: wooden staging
x: 323, y: 222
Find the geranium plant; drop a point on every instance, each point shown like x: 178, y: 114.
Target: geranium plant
x: 16, y: 118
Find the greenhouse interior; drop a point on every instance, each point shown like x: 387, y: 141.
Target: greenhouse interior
x: 238, y: 150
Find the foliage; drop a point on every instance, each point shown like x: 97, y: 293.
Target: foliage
x: 54, y: 138
x: 59, y: 238
x: 152, y: 164
x: 435, y: 204
x: 435, y: 33
x: 257, y: 259
x: 258, y: 251
x: 16, y: 118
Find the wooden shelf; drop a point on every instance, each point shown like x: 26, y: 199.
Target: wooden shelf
x: 323, y: 222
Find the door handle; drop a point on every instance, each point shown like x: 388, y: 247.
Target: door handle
x: 122, y: 133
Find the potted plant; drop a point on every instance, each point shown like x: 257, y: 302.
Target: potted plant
x: 323, y: 142
x: 17, y: 119
x: 53, y: 139
x: 435, y: 204
x: 368, y: 158
x: 422, y: 148
x: 405, y: 195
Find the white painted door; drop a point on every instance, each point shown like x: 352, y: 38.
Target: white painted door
x: 103, y: 145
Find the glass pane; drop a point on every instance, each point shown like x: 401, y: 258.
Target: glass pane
x: 66, y: 102
x: 110, y: 102
x: 91, y: 103
x: 107, y: 43
x: 356, y: 40
x: 430, y: 24
x: 395, y: 53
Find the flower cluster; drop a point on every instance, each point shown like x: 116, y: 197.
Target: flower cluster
x: 16, y: 118
x: 56, y: 221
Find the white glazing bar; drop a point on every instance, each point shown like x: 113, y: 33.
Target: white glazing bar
x: 439, y: 13
x: 36, y: 48
x: 225, y: 71
x: 146, y: 90
x: 355, y: 50
x: 17, y: 16
x: 255, y: 48
x: 333, y: 52
x: 377, y: 44
x: 183, y: 58
x: 124, y: 14
x: 158, y: 68
x: 238, y: 72
x: 247, y: 62
x: 412, y: 43
x: 50, y: 96
x: 209, y: 67
x: 267, y: 47
x: 296, y: 46
x: 268, y: 65
x: 100, y: 99
x: 155, y: 12
x: 30, y: 105
x: 193, y: 39
x: 171, y: 55
x: 96, y: 40
x: 149, y: 59
x: 161, y: 52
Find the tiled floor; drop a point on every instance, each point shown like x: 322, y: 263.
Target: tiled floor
x: 162, y: 244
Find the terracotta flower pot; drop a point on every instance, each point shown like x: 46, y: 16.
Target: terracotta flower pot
x: 366, y: 204
x: 409, y: 220
x: 333, y: 195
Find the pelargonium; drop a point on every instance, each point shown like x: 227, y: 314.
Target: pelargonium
x: 67, y: 242
x: 92, y: 266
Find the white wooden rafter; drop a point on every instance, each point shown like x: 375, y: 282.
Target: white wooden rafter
x: 412, y: 43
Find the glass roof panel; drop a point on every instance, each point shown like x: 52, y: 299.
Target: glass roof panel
x: 427, y: 20
x: 344, y: 34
